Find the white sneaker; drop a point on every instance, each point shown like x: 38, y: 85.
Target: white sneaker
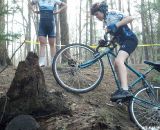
x: 42, y: 61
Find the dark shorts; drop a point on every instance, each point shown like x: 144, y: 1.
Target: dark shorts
x: 47, y: 24
x: 129, y: 45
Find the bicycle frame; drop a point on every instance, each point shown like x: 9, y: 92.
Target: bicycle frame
x: 109, y: 53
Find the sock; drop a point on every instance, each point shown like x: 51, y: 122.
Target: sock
x: 42, y: 61
x: 125, y: 88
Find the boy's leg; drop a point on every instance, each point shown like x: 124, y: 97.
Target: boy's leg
x: 125, y: 50
x: 43, y: 42
x: 121, y: 68
x: 52, y: 38
x: 122, y: 74
x: 52, y: 43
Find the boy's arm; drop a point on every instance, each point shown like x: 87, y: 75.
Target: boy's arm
x: 114, y: 27
x: 63, y: 7
x: 125, y: 21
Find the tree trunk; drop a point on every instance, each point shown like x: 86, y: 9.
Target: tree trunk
x: 80, y: 12
x: 64, y: 27
x: 87, y: 21
x: 151, y: 23
x: 57, y: 32
x: 111, y: 4
x: 35, y: 18
x: 28, y: 93
x: 129, y: 11
x: 4, y: 59
x: 143, y: 18
x: 151, y: 31
x: 28, y: 31
x: 157, y: 54
x: 91, y: 26
x: 119, y: 5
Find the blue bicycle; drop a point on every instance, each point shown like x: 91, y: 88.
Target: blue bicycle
x: 79, y: 68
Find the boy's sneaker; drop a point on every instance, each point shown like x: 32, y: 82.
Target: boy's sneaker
x: 116, y: 92
x: 121, y: 94
x: 42, y: 61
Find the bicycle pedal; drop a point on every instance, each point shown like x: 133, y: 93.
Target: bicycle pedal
x: 119, y: 101
x: 113, y: 100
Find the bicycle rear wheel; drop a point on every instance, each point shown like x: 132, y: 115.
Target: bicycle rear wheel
x: 70, y: 76
x: 145, y: 108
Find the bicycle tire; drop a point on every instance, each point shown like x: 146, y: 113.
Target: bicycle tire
x: 69, y: 88
x: 142, y: 120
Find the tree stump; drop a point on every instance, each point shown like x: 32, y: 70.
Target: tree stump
x: 28, y: 93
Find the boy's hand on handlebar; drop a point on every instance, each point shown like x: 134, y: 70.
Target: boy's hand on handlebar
x: 102, y: 43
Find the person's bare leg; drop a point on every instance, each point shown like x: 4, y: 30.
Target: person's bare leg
x: 43, y: 42
x: 121, y: 68
x: 52, y: 43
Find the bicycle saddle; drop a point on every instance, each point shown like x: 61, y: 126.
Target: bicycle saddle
x: 155, y: 65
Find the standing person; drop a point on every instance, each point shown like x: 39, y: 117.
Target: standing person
x: 47, y: 25
x: 116, y: 24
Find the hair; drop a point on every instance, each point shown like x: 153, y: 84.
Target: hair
x: 95, y: 8
x: 102, y: 7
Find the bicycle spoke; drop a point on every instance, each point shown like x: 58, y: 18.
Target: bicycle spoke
x: 143, y: 104
x: 146, y: 119
x: 70, y: 76
x: 83, y: 79
x: 74, y: 79
x: 79, y: 83
x: 146, y: 113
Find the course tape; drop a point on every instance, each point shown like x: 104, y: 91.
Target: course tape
x: 94, y: 46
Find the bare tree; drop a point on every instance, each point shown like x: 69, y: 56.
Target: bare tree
x: 144, y: 28
x: 80, y: 13
x: 91, y: 25
x: 4, y: 59
x: 119, y: 5
x: 87, y: 12
x: 64, y: 27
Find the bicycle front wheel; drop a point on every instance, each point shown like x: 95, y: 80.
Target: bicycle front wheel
x: 145, y: 108
x: 68, y: 73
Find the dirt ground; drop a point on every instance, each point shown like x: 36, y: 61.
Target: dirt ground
x: 90, y: 111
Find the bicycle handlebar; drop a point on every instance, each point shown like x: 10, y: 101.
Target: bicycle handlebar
x: 109, y: 42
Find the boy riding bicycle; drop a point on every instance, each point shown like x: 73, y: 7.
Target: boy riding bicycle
x: 116, y: 24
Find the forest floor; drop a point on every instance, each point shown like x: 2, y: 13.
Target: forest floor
x: 90, y: 111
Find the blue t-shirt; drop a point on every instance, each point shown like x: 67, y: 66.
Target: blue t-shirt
x: 46, y: 7
x: 124, y: 32
x: 46, y: 4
